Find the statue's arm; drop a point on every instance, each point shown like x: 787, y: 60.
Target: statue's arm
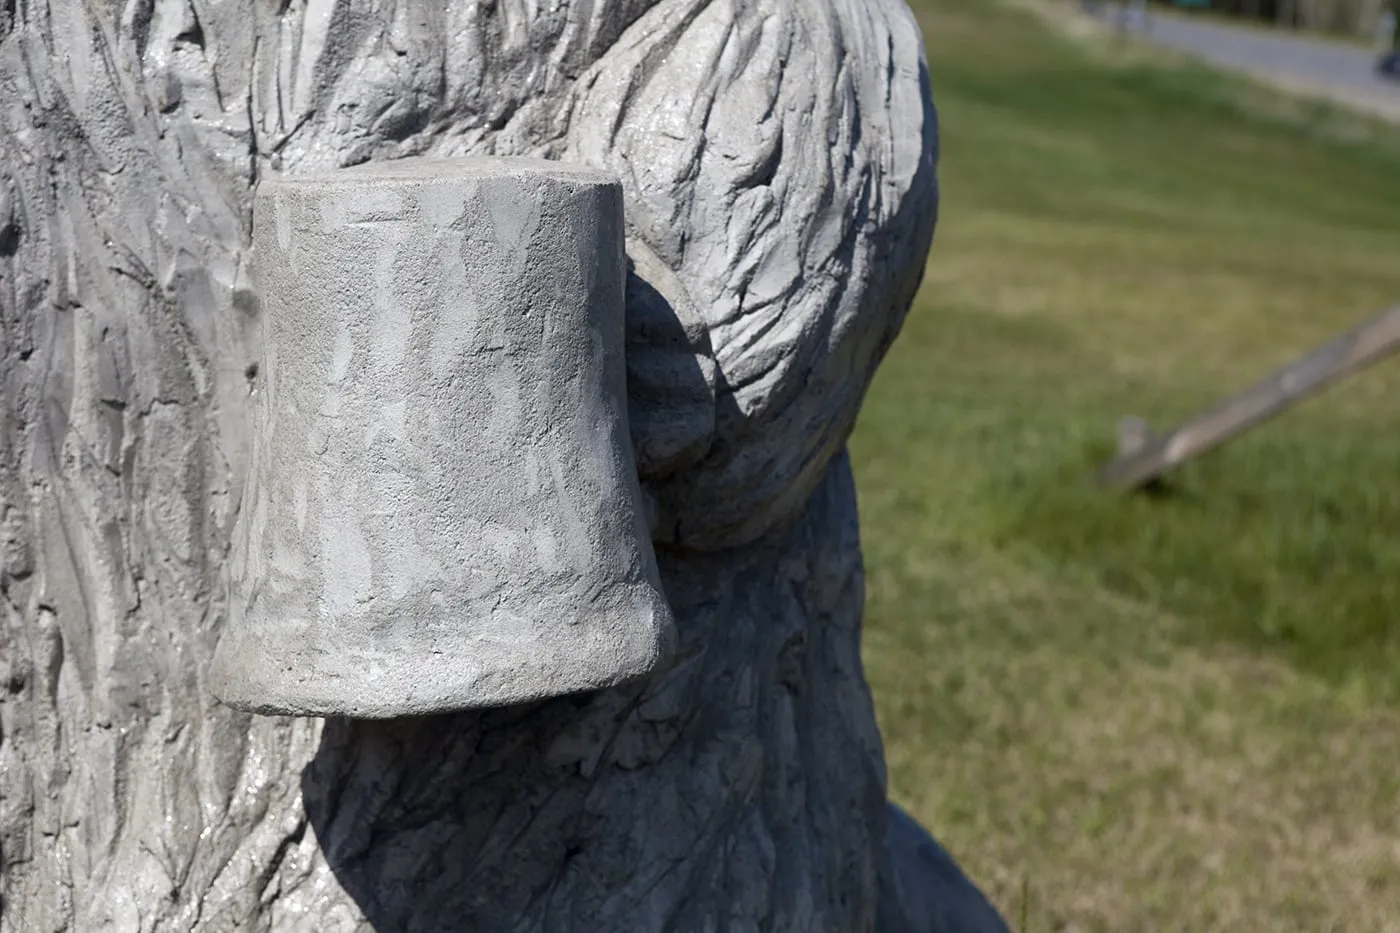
x: 779, y: 164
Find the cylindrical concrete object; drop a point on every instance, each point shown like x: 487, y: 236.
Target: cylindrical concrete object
x: 442, y: 509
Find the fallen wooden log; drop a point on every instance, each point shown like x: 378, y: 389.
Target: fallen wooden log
x: 1143, y: 457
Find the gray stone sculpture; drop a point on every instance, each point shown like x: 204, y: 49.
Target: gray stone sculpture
x: 442, y: 510
x: 777, y: 167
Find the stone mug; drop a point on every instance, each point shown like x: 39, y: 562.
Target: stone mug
x: 442, y: 509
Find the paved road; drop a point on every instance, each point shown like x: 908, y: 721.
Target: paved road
x: 1339, y: 72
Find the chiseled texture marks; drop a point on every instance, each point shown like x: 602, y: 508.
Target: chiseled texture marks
x: 644, y: 808
x: 778, y: 159
x: 442, y: 509
x: 777, y: 164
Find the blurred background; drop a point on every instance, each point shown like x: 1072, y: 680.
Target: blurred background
x: 1344, y: 17
x: 1176, y: 709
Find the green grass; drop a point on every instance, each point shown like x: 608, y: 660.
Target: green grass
x: 1153, y: 712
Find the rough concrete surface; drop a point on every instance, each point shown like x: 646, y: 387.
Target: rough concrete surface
x: 777, y: 164
x: 442, y: 509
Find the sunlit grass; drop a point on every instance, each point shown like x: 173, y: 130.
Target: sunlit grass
x: 1167, y: 712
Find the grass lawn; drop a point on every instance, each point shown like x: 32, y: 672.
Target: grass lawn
x: 1177, y: 712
